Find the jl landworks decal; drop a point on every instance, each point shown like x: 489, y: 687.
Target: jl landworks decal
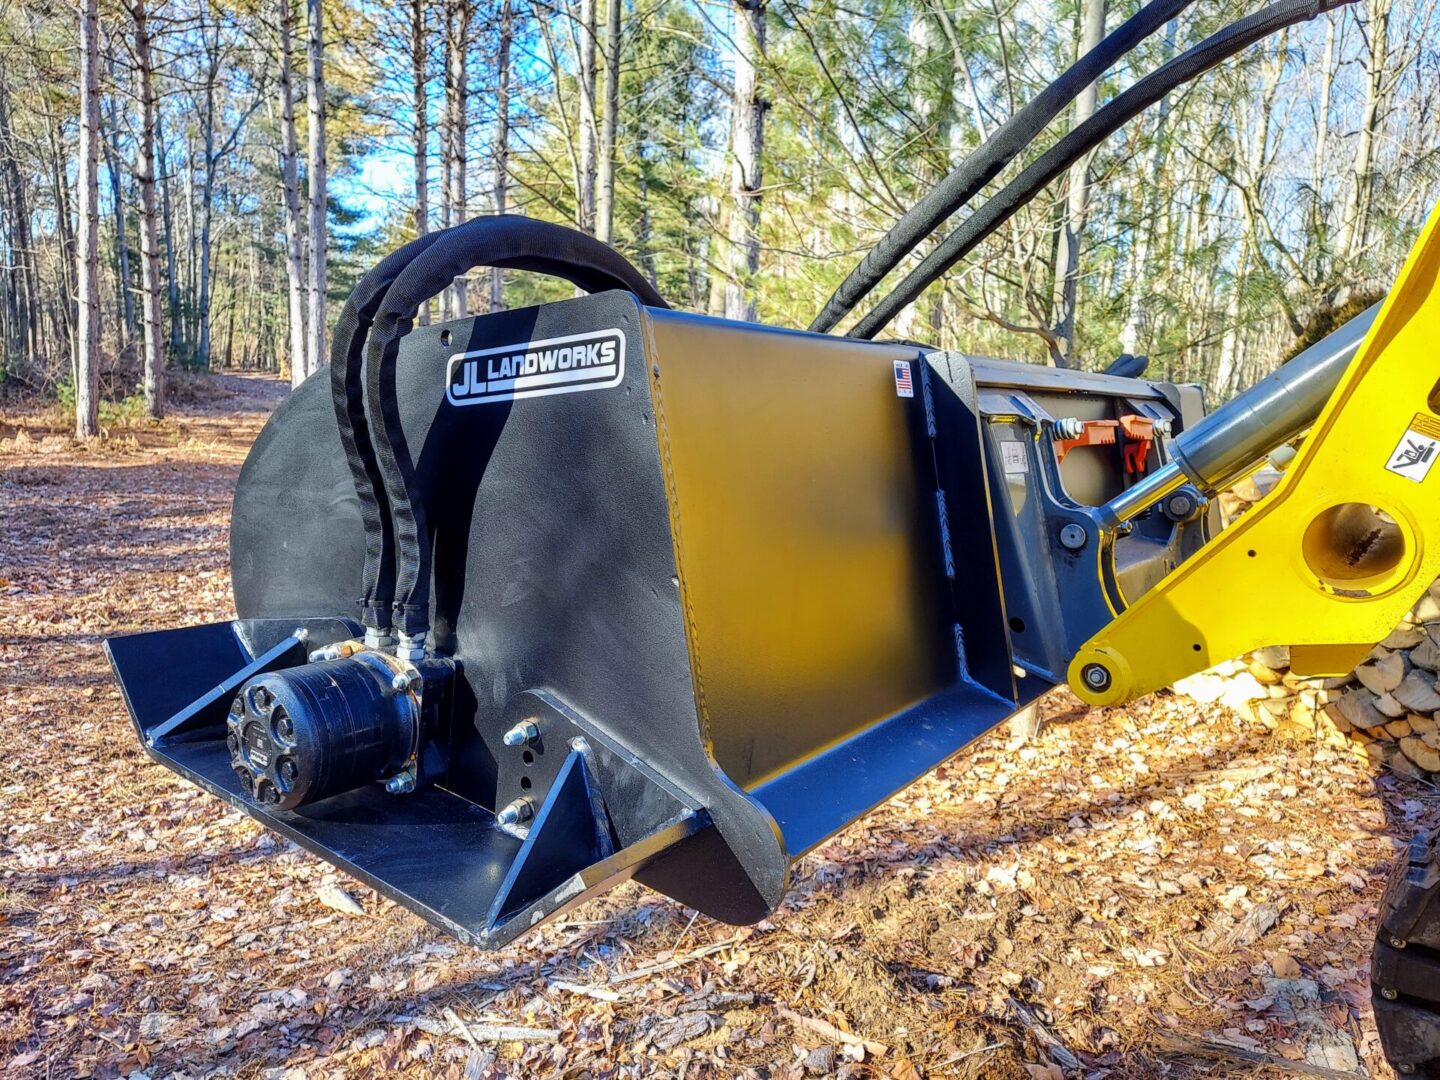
x: 563, y: 365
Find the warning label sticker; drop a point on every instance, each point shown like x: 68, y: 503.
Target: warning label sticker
x: 1012, y: 456
x: 904, y: 384
x: 1417, y: 450
x: 562, y: 365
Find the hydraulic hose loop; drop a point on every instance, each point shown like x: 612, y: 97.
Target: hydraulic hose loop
x: 347, y: 352
x: 509, y: 242
x: 985, y: 162
x: 996, y: 211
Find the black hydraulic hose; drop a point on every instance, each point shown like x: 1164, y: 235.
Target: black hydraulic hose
x: 347, y: 352
x: 1079, y: 142
x: 985, y: 162
x: 504, y: 241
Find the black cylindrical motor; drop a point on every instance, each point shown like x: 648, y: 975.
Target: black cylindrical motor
x: 309, y: 732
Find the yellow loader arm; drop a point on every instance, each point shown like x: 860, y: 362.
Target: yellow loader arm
x: 1335, y: 556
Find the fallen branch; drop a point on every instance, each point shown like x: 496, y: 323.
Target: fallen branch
x: 476, y: 1033
x: 829, y: 1031
x: 599, y: 993
x: 1223, y: 1051
x: 669, y: 965
x: 1058, y: 1051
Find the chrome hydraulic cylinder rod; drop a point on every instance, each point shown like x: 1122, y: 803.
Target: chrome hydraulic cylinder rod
x: 1275, y: 410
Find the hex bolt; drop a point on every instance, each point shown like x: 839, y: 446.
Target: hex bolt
x: 1163, y: 427
x: 516, y: 812
x: 405, y: 680
x: 1388, y: 993
x: 401, y: 783
x: 301, y: 634
x: 1072, y: 536
x: 524, y: 732
x: 1069, y: 427
x: 1096, y: 677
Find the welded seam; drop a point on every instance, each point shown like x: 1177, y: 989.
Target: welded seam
x: 667, y: 468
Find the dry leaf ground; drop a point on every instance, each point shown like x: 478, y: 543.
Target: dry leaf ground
x: 1097, y: 903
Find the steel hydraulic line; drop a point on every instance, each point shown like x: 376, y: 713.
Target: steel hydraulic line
x: 984, y: 163
x: 1196, y: 61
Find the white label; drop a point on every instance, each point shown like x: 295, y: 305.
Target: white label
x: 563, y: 365
x: 904, y: 383
x: 1012, y: 456
x: 1414, y: 455
x: 1416, y: 452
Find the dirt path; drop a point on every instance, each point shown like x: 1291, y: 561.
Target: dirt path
x: 1098, y: 903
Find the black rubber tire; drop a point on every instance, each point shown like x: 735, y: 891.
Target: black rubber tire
x: 1405, y: 965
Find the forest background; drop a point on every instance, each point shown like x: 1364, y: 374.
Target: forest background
x: 192, y: 184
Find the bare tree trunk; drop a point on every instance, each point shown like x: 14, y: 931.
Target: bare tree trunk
x: 27, y: 329
x: 1145, y: 226
x: 1067, y: 261
x: 457, y: 103
x: 605, y: 195
x: 1357, y: 216
x: 1319, y: 163
x: 172, y: 277
x: 501, y: 150
x: 420, y: 105
x: 207, y: 195
x: 87, y: 253
x: 1231, y: 344
x: 151, y: 330
x: 65, y: 310
x: 110, y: 147
x: 315, y: 108
x: 747, y: 145
x: 290, y: 208
x: 585, y: 196
x: 447, y: 161
x: 644, y: 251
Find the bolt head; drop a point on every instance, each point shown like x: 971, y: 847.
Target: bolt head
x: 1388, y: 993
x: 1181, y: 505
x: 515, y: 812
x: 401, y: 783
x: 1072, y: 536
x: 1398, y: 943
x: 524, y: 732
x: 1095, y: 676
x: 404, y: 680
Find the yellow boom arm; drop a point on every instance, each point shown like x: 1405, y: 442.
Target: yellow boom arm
x: 1333, y: 558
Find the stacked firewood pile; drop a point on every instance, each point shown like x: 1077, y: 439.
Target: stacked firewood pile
x: 1387, y: 710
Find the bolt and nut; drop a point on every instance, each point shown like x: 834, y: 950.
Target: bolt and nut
x: 524, y: 732
x: 401, y: 783
x: 1096, y: 676
x: 514, y: 813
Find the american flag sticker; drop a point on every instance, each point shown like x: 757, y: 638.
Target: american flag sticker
x: 904, y: 385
